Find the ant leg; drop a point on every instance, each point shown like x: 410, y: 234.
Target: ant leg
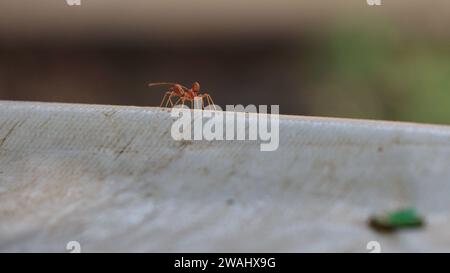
x: 164, y: 98
x: 209, y: 100
x: 194, y: 102
x: 202, y: 97
x: 178, y: 100
x: 203, y: 102
x: 207, y: 103
x: 170, y: 101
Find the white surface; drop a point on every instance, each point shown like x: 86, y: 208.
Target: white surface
x: 113, y: 179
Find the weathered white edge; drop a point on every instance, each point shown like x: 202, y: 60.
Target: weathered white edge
x: 112, y: 178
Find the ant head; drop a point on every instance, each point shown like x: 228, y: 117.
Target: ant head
x: 196, y: 87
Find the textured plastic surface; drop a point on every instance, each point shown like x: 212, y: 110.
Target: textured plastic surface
x: 113, y: 179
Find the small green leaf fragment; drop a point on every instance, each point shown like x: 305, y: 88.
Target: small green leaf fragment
x: 398, y: 219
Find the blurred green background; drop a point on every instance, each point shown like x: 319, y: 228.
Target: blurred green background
x: 376, y: 71
x: 320, y: 58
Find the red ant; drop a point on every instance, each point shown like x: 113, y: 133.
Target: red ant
x: 183, y: 94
